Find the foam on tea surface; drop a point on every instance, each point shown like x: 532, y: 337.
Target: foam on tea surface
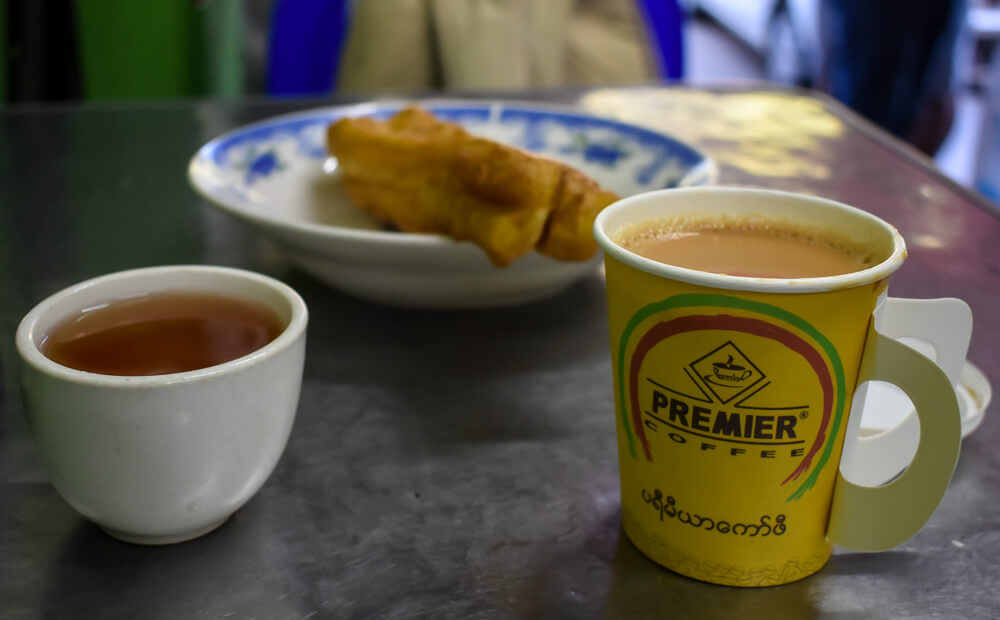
x: 750, y: 247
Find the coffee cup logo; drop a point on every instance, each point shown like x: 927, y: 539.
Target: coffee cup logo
x: 729, y: 373
x: 720, y: 402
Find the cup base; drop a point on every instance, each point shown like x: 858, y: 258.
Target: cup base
x: 142, y: 539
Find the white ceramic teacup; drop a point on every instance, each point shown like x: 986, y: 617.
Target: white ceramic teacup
x: 166, y: 458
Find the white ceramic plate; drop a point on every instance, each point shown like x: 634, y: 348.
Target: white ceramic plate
x: 276, y: 174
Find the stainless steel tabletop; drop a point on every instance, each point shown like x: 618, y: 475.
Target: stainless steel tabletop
x: 454, y: 464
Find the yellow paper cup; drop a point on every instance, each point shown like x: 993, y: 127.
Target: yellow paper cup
x: 733, y: 396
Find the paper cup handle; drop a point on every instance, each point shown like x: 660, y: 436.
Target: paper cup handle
x: 879, y: 518
x: 946, y: 324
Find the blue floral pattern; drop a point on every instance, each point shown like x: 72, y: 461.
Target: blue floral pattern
x: 257, y: 165
x: 622, y: 157
x: 606, y: 154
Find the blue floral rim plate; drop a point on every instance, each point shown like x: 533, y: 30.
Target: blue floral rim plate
x: 277, y: 175
x: 278, y: 170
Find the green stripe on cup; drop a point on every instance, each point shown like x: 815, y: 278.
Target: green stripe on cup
x: 688, y: 300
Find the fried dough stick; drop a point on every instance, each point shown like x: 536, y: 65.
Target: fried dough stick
x: 425, y: 175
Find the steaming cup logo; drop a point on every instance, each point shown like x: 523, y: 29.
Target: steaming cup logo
x: 729, y: 373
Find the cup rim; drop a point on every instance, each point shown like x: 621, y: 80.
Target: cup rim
x: 854, y: 279
x: 31, y: 354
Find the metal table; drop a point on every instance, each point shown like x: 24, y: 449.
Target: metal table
x: 455, y: 464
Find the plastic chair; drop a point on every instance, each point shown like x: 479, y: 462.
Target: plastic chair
x: 665, y: 20
x: 306, y: 40
x: 159, y: 49
x: 139, y: 49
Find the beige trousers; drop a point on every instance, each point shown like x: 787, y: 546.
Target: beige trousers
x: 406, y: 45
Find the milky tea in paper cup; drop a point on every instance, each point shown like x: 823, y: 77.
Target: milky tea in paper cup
x: 733, y: 395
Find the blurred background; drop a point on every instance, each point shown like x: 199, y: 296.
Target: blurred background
x: 926, y: 70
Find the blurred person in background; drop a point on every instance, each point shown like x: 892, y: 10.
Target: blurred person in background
x: 891, y: 60
x: 407, y: 45
x: 117, y: 49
